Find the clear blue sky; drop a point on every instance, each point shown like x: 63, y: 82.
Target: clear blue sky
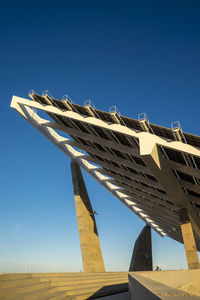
x: 142, y: 56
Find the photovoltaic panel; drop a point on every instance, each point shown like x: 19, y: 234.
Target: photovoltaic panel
x: 175, y: 156
x: 105, y: 116
x: 163, y: 132
x: 81, y: 110
x: 185, y: 177
x: 60, y: 104
x: 132, y: 123
x: 192, y: 139
x: 124, y: 166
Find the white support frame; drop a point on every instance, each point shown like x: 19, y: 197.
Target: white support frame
x: 27, y: 109
x: 176, y: 145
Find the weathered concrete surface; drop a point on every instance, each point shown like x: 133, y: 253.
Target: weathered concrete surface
x: 190, y: 246
x: 142, y: 253
x: 188, y: 239
x: 79, y: 286
x: 174, y: 283
x: 145, y: 288
x: 92, y: 258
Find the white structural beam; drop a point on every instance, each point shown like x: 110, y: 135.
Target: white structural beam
x: 185, y: 169
x: 143, y: 190
x: 153, y: 157
x: 93, y: 138
x: 176, y: 145
x: 151, y: 183
x: 137, y: 167
x: 122, y: 148
x: 24, y: 107
x: 123, y: 162
x: 140, y: 179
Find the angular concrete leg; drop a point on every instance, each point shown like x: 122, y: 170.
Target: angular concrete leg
x: 92, y: 258
x: 142, y: 253
x: 188, y: 239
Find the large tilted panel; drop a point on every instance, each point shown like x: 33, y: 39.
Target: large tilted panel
x: 116, y: 155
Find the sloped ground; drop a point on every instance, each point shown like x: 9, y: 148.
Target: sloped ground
x: 183, y: 283
x: 46, y: 286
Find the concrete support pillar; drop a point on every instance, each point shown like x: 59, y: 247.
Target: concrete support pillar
x: 142, y: 253
x: 92, y: 258
x: 155, y: 161
x: 188, y: 239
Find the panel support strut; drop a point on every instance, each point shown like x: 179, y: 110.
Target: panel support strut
x: 92, y: 258
x: 155, y: 161
x: 142, y: 254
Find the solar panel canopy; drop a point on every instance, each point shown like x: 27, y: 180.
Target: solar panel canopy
x: 151, y: 169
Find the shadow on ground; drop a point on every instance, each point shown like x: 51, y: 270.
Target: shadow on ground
x: 109, y: 290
